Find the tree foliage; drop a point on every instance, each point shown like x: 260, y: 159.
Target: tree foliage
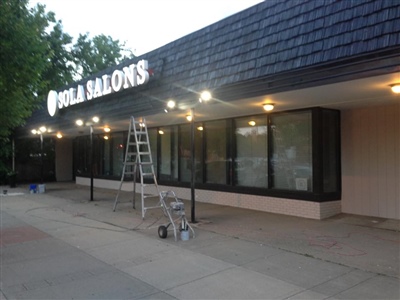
x: 24, y: 57
x: 92, y: 56
x: 36, y: 55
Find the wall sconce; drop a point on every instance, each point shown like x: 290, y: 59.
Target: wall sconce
x: 200, y: 128
x: 268, y: 106
x: 395, y: 88
x: 252, y: 123
x: 189, y: 117
x: 106, y: 137
x: 107, y: 129
x: 160, y: 132
x: 59, y: 135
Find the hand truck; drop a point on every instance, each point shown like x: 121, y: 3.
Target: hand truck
x: 175, y: 207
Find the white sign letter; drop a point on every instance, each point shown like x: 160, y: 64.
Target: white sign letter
x: 130, y: 76
x: 117, y: 79
x: 143, y: 74
x: 106, y: 85
x: 98, y: 88
x: 80, y: 94
x: 90, y: 89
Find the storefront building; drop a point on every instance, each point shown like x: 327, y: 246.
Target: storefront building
x: 330, y: 145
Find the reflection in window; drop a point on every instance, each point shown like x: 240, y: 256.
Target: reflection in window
x: 185, y: 165
x: 106, y: 157
x: 118, y: 154
x: 216, y: 143
x: 185, y: 154
x: 153, y: 146
x: 292, y: 151
x: 168, y: 165
x: 251, y: 163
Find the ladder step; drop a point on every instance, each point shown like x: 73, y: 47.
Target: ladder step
x: 150, y: 196
x: 148, y: 174
x: 144, y: 153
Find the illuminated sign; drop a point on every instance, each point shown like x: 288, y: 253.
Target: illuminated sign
x: 131, y: 76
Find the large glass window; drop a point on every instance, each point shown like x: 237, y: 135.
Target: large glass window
x: 107, y: 164
x: 153, y: 146
x: 216, y: 150
x: 185, y: 153
x: 293, y: 154
x: 168, y: 164
x: 118, y: 153
x: 291, y: 157
x: 251, y: 162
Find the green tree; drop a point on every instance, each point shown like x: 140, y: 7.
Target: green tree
x: 23, y: 58
x: 92, y: 56
x: 60, y: 69
x: 36, y: 56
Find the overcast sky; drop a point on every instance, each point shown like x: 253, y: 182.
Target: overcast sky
x: 144, y: 24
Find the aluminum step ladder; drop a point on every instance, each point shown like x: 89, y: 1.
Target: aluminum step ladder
x: 138, y: 159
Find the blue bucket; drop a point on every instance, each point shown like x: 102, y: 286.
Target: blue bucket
x: 32, y: 188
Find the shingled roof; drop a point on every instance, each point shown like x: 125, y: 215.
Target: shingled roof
x: 278, y: 37
x: 275, y: 46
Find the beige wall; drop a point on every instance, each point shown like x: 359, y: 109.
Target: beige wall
x: 371, y: 161
x: 64, y: 158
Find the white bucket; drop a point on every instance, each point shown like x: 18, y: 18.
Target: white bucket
x: 185, y: 235
x: 41, y: 188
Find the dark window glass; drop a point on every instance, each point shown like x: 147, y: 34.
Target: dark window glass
x: 216, y: 149
x: 185, y: 164
x: 330, y: 146
x: 251, y: 162
x: 168, y: 165
x: 185, y: 153
x: 291, y: 157
x: 117, y: 153
x: 107, y: 165
x: 153, y: 146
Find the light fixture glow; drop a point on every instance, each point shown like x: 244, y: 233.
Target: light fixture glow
x: 171, y: 104
x: 161, y: 132
x: 189, y: 118
x: 43, y: 129
x: 79, y: 122
x: 200, y: 128
x: 34, y: 131
x: 252, y: 123
x: 107, y: 129
x: 268, y: 106
x: 395, y: 88
x: 95, y: 119
x: 59, y: 135
x: 106, y: 137
x: 205, y: 96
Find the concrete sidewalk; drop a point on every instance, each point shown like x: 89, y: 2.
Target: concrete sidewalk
x: 59, y: 245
